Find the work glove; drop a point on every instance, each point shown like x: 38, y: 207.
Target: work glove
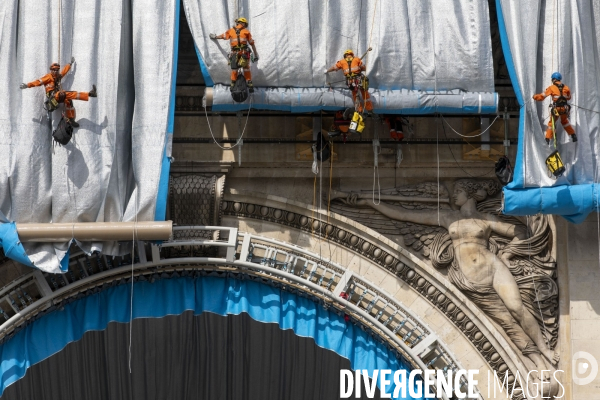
x: 23, y: 86
x: 72, y: 60
x: 212, y: 36
x: 326, y: 72
x: 255, y: 57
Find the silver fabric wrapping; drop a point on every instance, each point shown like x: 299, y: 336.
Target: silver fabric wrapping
x: 557, y: 36
x: 126, y: 49
x: 417, y: 44
x: 411, y: 101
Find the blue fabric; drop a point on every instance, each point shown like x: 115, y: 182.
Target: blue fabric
x: 510, y: 65
x: 573, y: 203
x: 51, y: 333
x: 64, y: 263
x: 11, y: 244
x: 160, y: 211
x: 203, y: 69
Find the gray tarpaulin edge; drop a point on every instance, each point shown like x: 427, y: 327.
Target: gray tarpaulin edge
x: 384, y: 101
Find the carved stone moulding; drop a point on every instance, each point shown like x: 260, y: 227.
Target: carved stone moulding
x: 381, y: 257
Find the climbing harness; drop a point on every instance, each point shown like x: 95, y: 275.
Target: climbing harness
x: 51, y: 104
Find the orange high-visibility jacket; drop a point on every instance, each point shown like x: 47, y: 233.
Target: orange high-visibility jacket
x: 554, y: 92
x: 48, y: 80
x: 353, y: 67
x: 245, y: 36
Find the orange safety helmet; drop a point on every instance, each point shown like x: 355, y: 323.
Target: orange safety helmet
x: 55, y: 67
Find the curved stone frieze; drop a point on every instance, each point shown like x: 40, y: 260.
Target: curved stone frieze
x: 501, y: 264
x: 399, y: 262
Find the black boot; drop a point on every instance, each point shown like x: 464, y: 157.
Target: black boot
x: 547, y: 141
x: 93, y: 92
x: 250, y: 86
x: 73, y: 123
x: 574, y: 137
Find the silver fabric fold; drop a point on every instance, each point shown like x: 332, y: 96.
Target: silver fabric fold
x: 557, y: 36
x: 110, y: 170
x: 417, y: 44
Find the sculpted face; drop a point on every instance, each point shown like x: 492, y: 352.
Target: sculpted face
x: 460, y: 197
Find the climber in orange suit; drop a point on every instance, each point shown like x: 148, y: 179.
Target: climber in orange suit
x: 54, y: 93
x: 239, y: 38
x: 353, y: 68
x: 559, y: 107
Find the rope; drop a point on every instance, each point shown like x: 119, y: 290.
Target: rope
x: 586, y: 109
x: 359, y: 21
x: 131, y: 299
x: 553, y: 29
x: 467, y: 136
x: 131, y: 295
x: 72, y: 29
x: 329, y: 194
x: 376, y: 152
x: 370, y: 34
x: 437, y: 150
x: 240, y: 139
x: 458, y: 164
x: 312, y: 215
x: 534, y: 286
x: 59, y: 27
x: 434, y: 61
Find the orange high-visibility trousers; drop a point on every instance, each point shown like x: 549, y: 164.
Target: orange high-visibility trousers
x: 247, y: 74
x: 365, y: 98
x: 69, y: 96
x: 564, y: 120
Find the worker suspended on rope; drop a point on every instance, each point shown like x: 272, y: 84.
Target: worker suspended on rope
x: 240, y: 56
x: 55, y: 95
x: 396, y: 123
x: 356, y: 80
x: 559, y: 107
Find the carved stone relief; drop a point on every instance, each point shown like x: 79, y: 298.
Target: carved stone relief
x: 503, y: 264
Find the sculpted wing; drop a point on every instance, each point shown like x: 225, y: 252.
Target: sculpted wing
x: 418, y: 237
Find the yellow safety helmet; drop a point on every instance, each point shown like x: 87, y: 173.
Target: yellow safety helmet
x: 349, y: 51
x: 242, y: 20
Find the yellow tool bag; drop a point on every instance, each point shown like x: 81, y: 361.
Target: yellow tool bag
x: 555, y: 164
x: 356, y: 125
